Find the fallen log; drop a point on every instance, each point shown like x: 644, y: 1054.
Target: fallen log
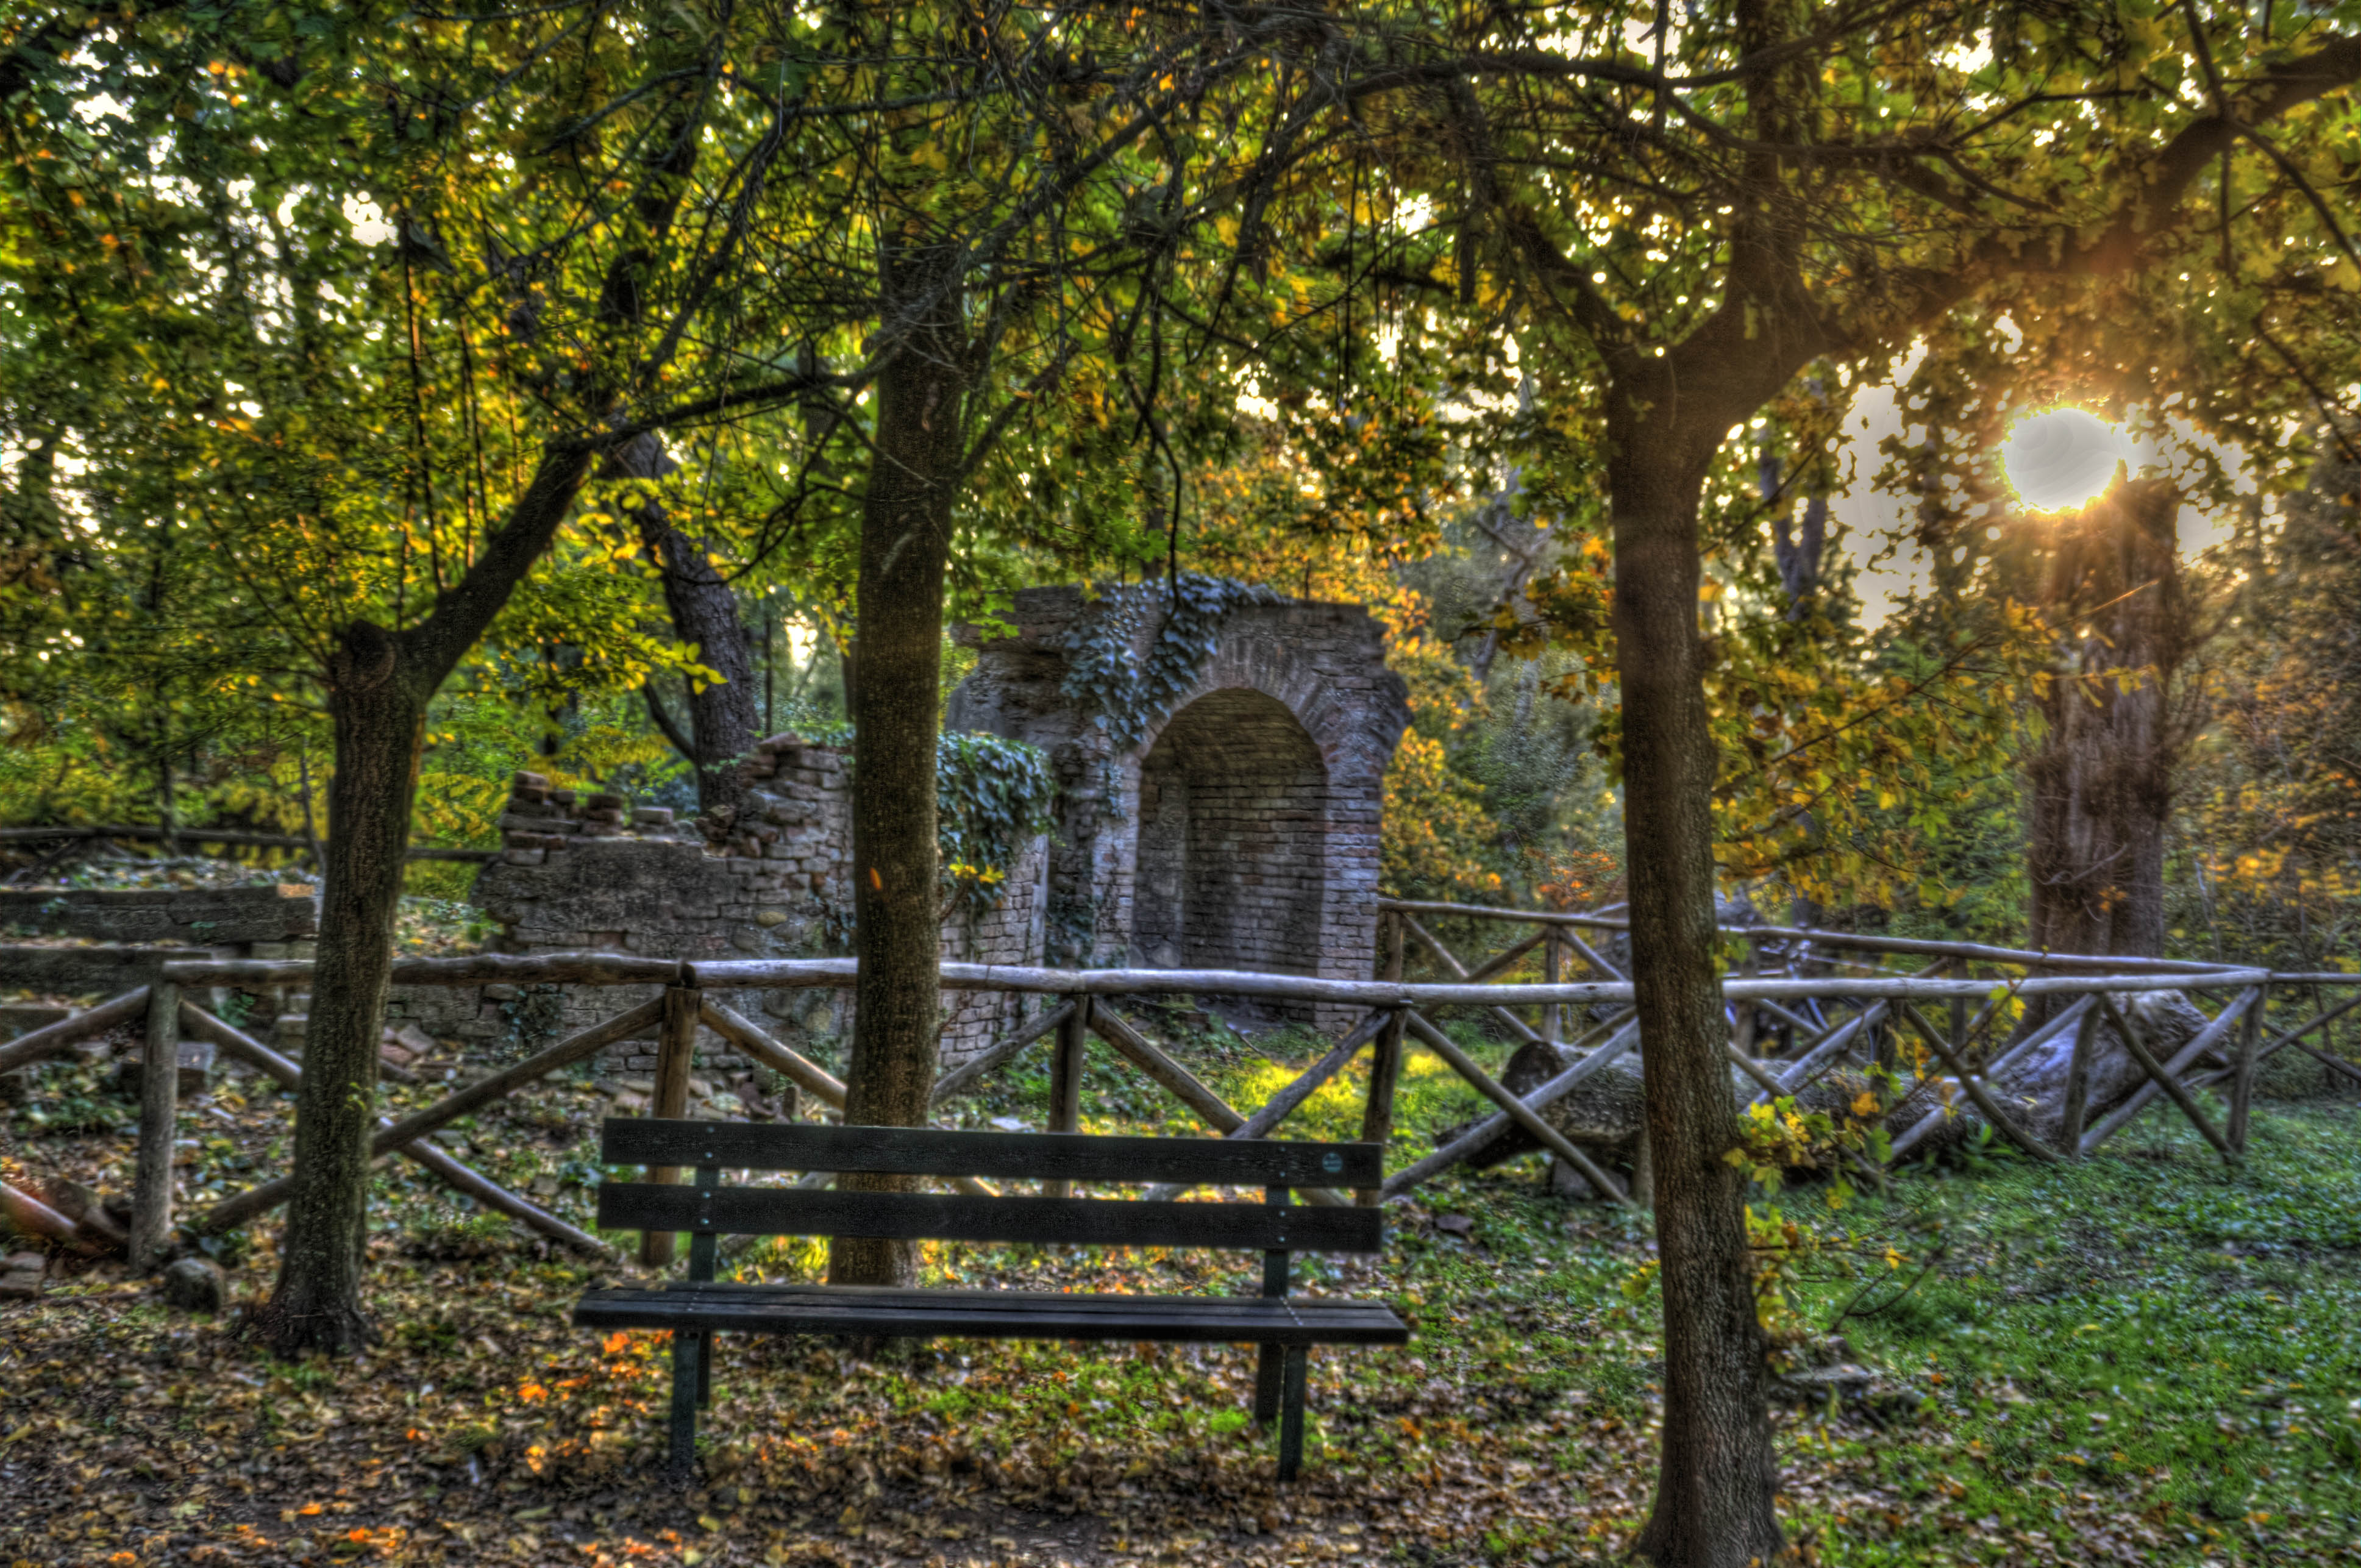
x: 2206, y: 1039
x: 2167, y: 1081
x: 2001, y: 1121
x: 1477, y: 1138
x: 28, y: 1215
x: 1524, y: 1115
x: 1928, y: 1120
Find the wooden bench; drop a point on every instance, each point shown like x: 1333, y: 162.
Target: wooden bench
x: 695, y: 1309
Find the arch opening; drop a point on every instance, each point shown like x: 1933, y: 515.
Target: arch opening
x: 1231, y: 858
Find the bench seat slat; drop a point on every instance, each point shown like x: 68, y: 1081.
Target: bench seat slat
x: 935, y: 1151
x: 919, y: 1216
x: 995, y: 1314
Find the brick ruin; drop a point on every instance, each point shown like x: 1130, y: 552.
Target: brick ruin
x: 1239, y: 831
x: 580, y: 872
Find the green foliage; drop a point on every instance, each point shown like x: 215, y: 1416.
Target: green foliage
x: 1126, y: 694
x: 992, y: 797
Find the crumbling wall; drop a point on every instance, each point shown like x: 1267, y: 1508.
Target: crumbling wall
x: 1240, y: 830
x: 233, y: 920
x: 577, y: 873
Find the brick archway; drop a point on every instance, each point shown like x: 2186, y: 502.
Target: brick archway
x: 1292, y: 692
x: 1232, y: 858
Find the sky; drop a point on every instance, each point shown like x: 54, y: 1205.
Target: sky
x: 2054, y: 459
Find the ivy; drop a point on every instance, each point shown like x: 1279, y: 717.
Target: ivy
x: 1126, y: 693
x: 992, y: 797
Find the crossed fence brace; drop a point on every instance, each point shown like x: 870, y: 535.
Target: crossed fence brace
x: 1791, y: 999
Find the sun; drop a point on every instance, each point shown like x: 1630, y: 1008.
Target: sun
x: 2062, y: 459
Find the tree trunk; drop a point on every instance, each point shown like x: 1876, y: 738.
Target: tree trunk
x: 905, y: 520
x: 1717, y: 1478
x: 380, y: 684
x: 724, y: 723
x: 2101, y: 785
x: 380, y: 723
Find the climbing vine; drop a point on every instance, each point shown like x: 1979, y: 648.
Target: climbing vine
x: 992, y: 797
x: 1126, y: 694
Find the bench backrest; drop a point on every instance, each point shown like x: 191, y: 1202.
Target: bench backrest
x: 705, y: 1207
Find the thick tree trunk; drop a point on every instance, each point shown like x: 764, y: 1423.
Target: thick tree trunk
x: 724, y: 719
x: 724, y: 723
x: 380, y: 684
x: 906, y: 524
x: 2100, y: 786
x: 379, y: 718
x: 1718, y: 1479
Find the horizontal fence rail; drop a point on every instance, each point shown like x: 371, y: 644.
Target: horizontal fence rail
x: 1797, y: 1013
x: 790, y: 974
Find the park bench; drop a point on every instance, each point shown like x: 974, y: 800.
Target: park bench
x: 695, y: 1309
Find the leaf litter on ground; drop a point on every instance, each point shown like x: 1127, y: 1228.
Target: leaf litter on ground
x: 1971, y: 1421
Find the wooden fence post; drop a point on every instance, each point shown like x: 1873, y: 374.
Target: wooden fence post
x: 1552, y: 967
x: 1385, y: 1064
x: 1066, y: 1082
x: 676, y: 1053
x: 2242, y: 1080
x: 2078, y: 1086
x: 159, y: 1117
x: 1742, y: 1035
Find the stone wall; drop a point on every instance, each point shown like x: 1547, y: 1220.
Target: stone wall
x: 1240, y: 832
x: 231, y: 918
x: 578, y: 875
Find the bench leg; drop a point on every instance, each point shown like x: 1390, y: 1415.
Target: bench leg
x: 705, y: 1369
x: 1290, y: 1424
x: 685, y: 1378
x: 1268, y: 1373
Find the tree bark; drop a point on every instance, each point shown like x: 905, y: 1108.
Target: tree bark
x: 905, y: 521
x: 724, y: 723
x: 380, y: 720
x: 1718, y: 1477
x: 380, y: 684
x: 2101, y: 785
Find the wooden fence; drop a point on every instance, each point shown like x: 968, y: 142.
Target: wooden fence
x: 1792, y: 1017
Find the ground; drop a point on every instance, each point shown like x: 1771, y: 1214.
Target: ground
x: 2148, y: 1358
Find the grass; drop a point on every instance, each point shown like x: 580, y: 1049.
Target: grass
x: 2145, y: 1358
x: 2149, y: 1348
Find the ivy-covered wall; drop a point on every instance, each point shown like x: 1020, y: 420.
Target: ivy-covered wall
x: 1220, y: 760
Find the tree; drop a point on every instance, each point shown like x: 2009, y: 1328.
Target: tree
x: 420, y: 417
x: 1681, y: 232
x: 2101, y: 782
x: 1031, y: 233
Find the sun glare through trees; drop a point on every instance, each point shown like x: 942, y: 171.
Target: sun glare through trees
x: 2062, y: 459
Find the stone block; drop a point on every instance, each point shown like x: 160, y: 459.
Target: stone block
x: 20, y: 1279
x: 195, y: 1284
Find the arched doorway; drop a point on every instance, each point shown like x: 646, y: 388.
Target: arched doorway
x: 1232, y: 857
